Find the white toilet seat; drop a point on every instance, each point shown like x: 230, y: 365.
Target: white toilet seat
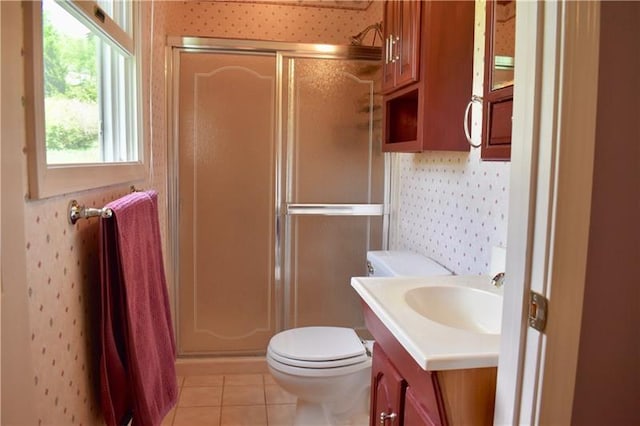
x: 317, y: 364
x: 317, y: 344
x: 317, y: 351
x: 317, y: 372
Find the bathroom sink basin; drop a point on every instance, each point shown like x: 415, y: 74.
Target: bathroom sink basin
x: 447, y: 322
x: 464, y: 308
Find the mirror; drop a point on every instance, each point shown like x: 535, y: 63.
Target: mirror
x: 497, y: 99
x: 504, y: 37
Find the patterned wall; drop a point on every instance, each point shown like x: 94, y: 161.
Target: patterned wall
x: 63, y: 270
x: 63, y: 289
x: 505, y: 28
x: 453, y: 207
x: 457, y: 191
x: 270, y: 21
x: 62, y: 260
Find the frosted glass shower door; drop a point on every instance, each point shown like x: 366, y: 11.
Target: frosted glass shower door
x: 334, y: 182
x: 226, y: 217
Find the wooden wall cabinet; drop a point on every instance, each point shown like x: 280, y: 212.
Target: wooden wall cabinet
x: 403, y: 394
x: 426, y: 113
x: 401, y: 30
x: 497, y: 105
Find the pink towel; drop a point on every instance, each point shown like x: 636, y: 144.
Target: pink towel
x: 137, y: 366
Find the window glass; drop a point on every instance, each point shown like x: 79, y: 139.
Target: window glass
x: 71, y: 76
x: 82, y: 101
x: 89, y: 89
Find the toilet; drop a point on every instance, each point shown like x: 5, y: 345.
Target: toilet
x: 328, y: 369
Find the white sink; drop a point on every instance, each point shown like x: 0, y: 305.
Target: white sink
x: 444, y: 322
x: 464, y: 308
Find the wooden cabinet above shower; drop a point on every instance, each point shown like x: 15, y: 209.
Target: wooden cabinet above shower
x: 427, y: 113
x: 401, y: 44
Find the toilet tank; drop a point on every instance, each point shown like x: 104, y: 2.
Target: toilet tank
x: 399, y: 263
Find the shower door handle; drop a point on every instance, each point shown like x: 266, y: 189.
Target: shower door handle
x: 335, y: 209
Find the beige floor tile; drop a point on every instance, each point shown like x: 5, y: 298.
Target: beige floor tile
x: 243, y: 379
x: 244, y: 416
x: 207, y: 380
x: 281, y: 415
x: 197, y: 416
x: 200, y: 396
x: 243, y: 395
x: 168, y: 419
x: 179, y: 380
x: 276, y: 395
x: 268, y: 379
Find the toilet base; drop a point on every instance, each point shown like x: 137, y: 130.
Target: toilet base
x: 329, y: 414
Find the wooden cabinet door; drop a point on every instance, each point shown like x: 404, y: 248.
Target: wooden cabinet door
x: 389, y: 28
x: 414, y: 413
x: 401, y: 29
x: 387, y: 390
x: 424, y: 110
x: 407, y: 51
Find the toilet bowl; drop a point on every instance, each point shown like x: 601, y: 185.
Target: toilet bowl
x: 329, y: 368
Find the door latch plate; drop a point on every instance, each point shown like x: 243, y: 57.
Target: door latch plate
x: 537, y: 311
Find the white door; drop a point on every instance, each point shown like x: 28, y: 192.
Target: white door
x: 550, y: 201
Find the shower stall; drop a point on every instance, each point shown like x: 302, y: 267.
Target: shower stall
x: 277, y: 188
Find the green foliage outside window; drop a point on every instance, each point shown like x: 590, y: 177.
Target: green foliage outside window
x: 71, y: 89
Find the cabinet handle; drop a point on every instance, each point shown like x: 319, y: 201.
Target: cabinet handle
x: 384, y: 417
x: 396, y: 57
x: 393, y: 45
x: 387, y: 50
x: 465, y: 124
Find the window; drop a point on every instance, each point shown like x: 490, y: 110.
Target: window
x: 82, y: 95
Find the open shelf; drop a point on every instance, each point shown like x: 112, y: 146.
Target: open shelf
x: 401, y: 120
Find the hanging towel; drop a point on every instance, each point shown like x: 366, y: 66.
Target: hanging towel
x: 137, y: 365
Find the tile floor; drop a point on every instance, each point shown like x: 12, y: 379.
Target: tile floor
x: 231, y: 400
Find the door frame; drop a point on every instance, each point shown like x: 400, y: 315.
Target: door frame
x: 557, y: 52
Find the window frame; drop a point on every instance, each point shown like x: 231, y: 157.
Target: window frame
x: 47, y: 180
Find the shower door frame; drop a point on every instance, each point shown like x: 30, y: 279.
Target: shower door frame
x: 281, y: 51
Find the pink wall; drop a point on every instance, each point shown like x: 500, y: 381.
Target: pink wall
x: 59, y: 262
x: 608, y: 377
x: 277, y: 22
x: 58, y: 276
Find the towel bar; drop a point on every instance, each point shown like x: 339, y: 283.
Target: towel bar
x: 76, y: 212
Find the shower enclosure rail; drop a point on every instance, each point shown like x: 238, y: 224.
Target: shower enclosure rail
x: 336, y: 209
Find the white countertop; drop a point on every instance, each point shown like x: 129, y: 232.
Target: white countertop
x: 432, y: 345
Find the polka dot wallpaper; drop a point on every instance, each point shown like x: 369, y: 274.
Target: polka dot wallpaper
x: 453, y: 207
x: 63, y: 268
x: 62, y: 260
x: 504, y: 42
x: 270, y: 21
x: 63, y: 289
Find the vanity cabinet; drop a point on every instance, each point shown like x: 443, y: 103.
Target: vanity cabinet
x: 414, y: 414
x: 428, y: 86
x: 402, y: 393
x: 387, y: 390
x: 401, y: 30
